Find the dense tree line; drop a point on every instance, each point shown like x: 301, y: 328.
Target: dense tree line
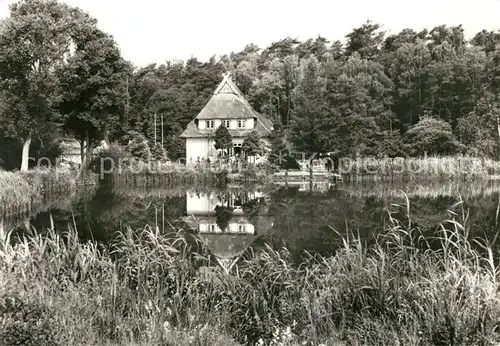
x: 410, y: 93
x: 405, y: 94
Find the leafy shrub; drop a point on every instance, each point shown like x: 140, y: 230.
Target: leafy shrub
x: 138, y: 146
x: 176, y: 148
x: 431, y: 136
x: 27, y: 323
x: 390, y: 144
x: 108, y: 158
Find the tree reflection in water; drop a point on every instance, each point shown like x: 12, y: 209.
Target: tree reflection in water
x: 234, y: 218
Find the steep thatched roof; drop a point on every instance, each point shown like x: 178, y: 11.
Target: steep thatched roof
x: 228, y: 102
x: 226, y: 106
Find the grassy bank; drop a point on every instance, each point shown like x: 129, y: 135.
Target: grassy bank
x: 155, y: 289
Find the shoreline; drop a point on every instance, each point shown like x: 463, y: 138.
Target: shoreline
x: 22, y: 191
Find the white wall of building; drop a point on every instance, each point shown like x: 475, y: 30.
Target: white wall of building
x: 206, y: 203
x: 204, y: 147
x: 250, y: 123
x: 233, y: 124
x: 201, y: 203
x: 199, y: 148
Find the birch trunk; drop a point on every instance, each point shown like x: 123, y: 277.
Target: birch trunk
x: 82, y: 151
x: 498, y: 128
x: 87, y: 152
x: 26, y: 154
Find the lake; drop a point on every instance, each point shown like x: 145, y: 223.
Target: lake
x: 300, y: 216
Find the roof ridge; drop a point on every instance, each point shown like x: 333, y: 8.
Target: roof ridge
x: 226, y: 102
x: 229, y: 82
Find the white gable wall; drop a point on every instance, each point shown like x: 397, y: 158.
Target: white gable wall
x: 199, y: 148
x: 250, y: 123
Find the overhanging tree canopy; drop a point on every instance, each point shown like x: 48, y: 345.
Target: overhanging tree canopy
x: 35, y: 40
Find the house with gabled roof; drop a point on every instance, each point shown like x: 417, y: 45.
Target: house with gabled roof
x: 227, y: 107
x: 241, y: 229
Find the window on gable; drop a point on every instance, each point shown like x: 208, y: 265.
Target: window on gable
x: 226, y: 123
x: 241, y: 123
x: 210, y: 124
x: 241, y: 228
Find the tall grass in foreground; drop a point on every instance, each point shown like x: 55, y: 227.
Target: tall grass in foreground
x: 150, y: 288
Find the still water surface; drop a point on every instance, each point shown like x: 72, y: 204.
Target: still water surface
x: 300, y: 217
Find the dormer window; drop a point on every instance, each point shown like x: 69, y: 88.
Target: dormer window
x: 226, y: 123
x: 241, y: 123
x: 209, y: 124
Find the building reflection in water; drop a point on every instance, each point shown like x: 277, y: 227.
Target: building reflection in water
x: 223, y: 224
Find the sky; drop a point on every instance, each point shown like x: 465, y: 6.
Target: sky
x: 154, y: 31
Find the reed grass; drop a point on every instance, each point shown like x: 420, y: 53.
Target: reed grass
x: 169, y: 179
x: 421, y: 188
x: 25, y: 192
x: 152, y: 288
x: 16, y: 192
x: 154, y: 173
x: 443, y: 168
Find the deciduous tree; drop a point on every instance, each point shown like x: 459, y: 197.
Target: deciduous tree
x: 35, y: 40
x: 93, y: 84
